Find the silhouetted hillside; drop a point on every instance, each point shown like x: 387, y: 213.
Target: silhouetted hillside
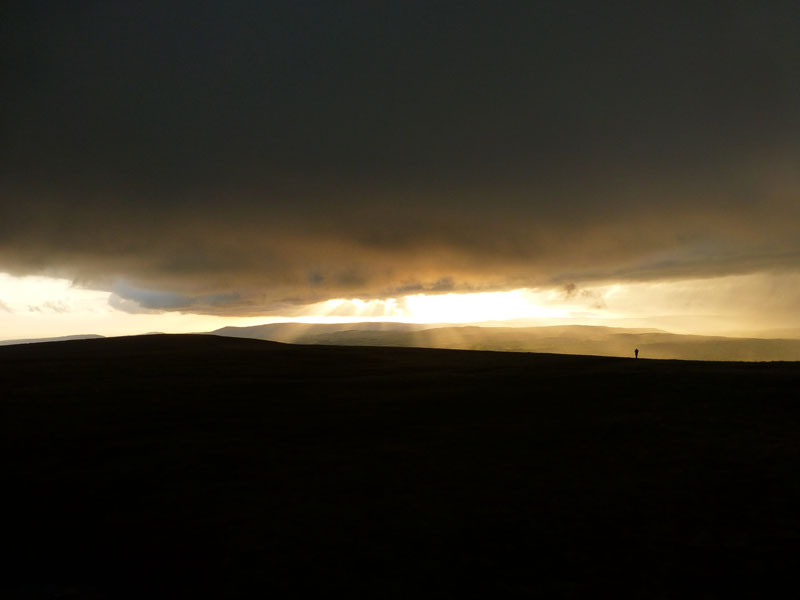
x: 65, y: 338
x: 205, y: 466
x: 573, y: 339
x: 302, y: 333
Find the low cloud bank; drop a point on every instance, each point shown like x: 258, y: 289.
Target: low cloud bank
x: 254, y: 157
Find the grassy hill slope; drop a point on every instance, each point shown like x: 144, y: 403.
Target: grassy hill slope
x: 572, y: 339
x: 176, y: 466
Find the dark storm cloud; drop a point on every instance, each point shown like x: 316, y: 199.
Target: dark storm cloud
x: 233, y: 157
x: 131, y: 299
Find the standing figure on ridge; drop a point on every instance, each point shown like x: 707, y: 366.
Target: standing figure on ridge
x: 636, y: 353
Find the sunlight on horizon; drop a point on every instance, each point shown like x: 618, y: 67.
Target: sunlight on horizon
x: 445, y: 308
x: 36, y: 306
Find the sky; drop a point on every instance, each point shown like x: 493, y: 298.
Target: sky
x: 173, y: 165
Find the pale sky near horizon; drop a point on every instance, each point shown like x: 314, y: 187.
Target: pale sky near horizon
x: 181, y: 164
x: 34, y: 307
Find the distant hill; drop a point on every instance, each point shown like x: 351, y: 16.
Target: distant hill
x: 64, y: 338
x: 568, y: 339
x: 306, y: 333
x: 787, y: 333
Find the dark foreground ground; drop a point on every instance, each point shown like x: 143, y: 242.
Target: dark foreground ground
x: 186, y: 466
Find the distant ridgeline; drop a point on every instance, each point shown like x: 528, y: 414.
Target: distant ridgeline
x: 573, y: 339
x: 65, y: 338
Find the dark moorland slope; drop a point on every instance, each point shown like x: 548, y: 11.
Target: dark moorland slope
x: 65, y: 338
x: 186, y: 466
x: 562, y: 339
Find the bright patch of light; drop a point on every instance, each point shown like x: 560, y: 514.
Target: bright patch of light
x: 32, y: 307
x: 36, y: 307
x: 470, y: 308
x: 442, y: 308
x: 344, y: 308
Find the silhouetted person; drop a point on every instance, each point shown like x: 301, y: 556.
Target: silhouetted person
x: 636, y: 353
